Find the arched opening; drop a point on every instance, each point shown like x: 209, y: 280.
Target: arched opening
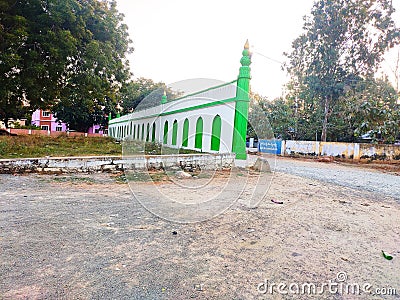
x: 165, y: 138
x: 198, y: 143
x: 174, y: 132
x: 142, y: 132
x: 153, y: 135
x: 216, y: 133
x: 134, y: 131
x: 138, y: 132
x: 185, y: 133
x: 148, y: 132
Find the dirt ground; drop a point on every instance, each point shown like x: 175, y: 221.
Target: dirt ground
x: 86, y: 237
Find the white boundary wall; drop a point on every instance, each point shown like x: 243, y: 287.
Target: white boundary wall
x: 343, y: 150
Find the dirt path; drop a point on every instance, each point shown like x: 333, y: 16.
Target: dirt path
x: 85, y: 237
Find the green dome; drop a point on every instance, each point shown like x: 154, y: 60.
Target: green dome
x: 246, y: 59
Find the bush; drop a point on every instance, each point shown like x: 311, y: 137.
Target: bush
x: 19, y: 126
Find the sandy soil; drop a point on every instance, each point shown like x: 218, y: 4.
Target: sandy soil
x: 86, y: 237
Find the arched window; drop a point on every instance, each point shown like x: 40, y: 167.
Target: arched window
x: 185, y: 133
x: 199, y: 134
x: 174, y: 132
x: 165, y: 138
x: 216, y: 133
x: 153, y: 135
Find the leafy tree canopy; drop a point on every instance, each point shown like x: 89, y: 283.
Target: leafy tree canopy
x: 368, y: 112
x: 71, y: 51
x: 135, y: 91
x: 343, y: 42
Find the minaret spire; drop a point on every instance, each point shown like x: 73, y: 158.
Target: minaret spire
x: 164, y: 98
x: 242, y: 104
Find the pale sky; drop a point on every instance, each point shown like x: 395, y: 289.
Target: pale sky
x: 176, y: 40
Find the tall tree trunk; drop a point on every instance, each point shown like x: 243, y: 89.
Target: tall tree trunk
x: 396, y: 71
x: 6, y: 122
x: 325, y: 123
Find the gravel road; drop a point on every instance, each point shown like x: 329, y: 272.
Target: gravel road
x: 354, y: 177
x: 81, y: 236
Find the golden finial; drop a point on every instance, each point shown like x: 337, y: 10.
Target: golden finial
x: 246, y: 46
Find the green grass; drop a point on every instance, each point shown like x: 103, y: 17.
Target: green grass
x: 27, y: 146
x: 75, y: 179
x: 24, y: 146
x: 133, y: 147
x: 121, y: 179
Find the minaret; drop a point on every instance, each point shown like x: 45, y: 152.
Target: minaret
x: 164, y: 98
x: 242, y: 105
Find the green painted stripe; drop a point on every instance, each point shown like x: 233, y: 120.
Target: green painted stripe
x: 205, y: 105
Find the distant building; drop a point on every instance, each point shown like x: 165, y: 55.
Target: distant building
x: 46, y: 121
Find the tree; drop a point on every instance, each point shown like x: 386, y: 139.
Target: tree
x: 344, y: 41
x: 270, y: 118
x: 34, y: 49
x: 12, y: 35
x: 92, y: 80
x: 72, y: 52
x: 371, y: 109
x: 135, y: 91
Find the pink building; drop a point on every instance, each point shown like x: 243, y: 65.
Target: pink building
x: 46, y: 121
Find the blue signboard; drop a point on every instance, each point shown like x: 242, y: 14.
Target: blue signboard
x: 270, y: 146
